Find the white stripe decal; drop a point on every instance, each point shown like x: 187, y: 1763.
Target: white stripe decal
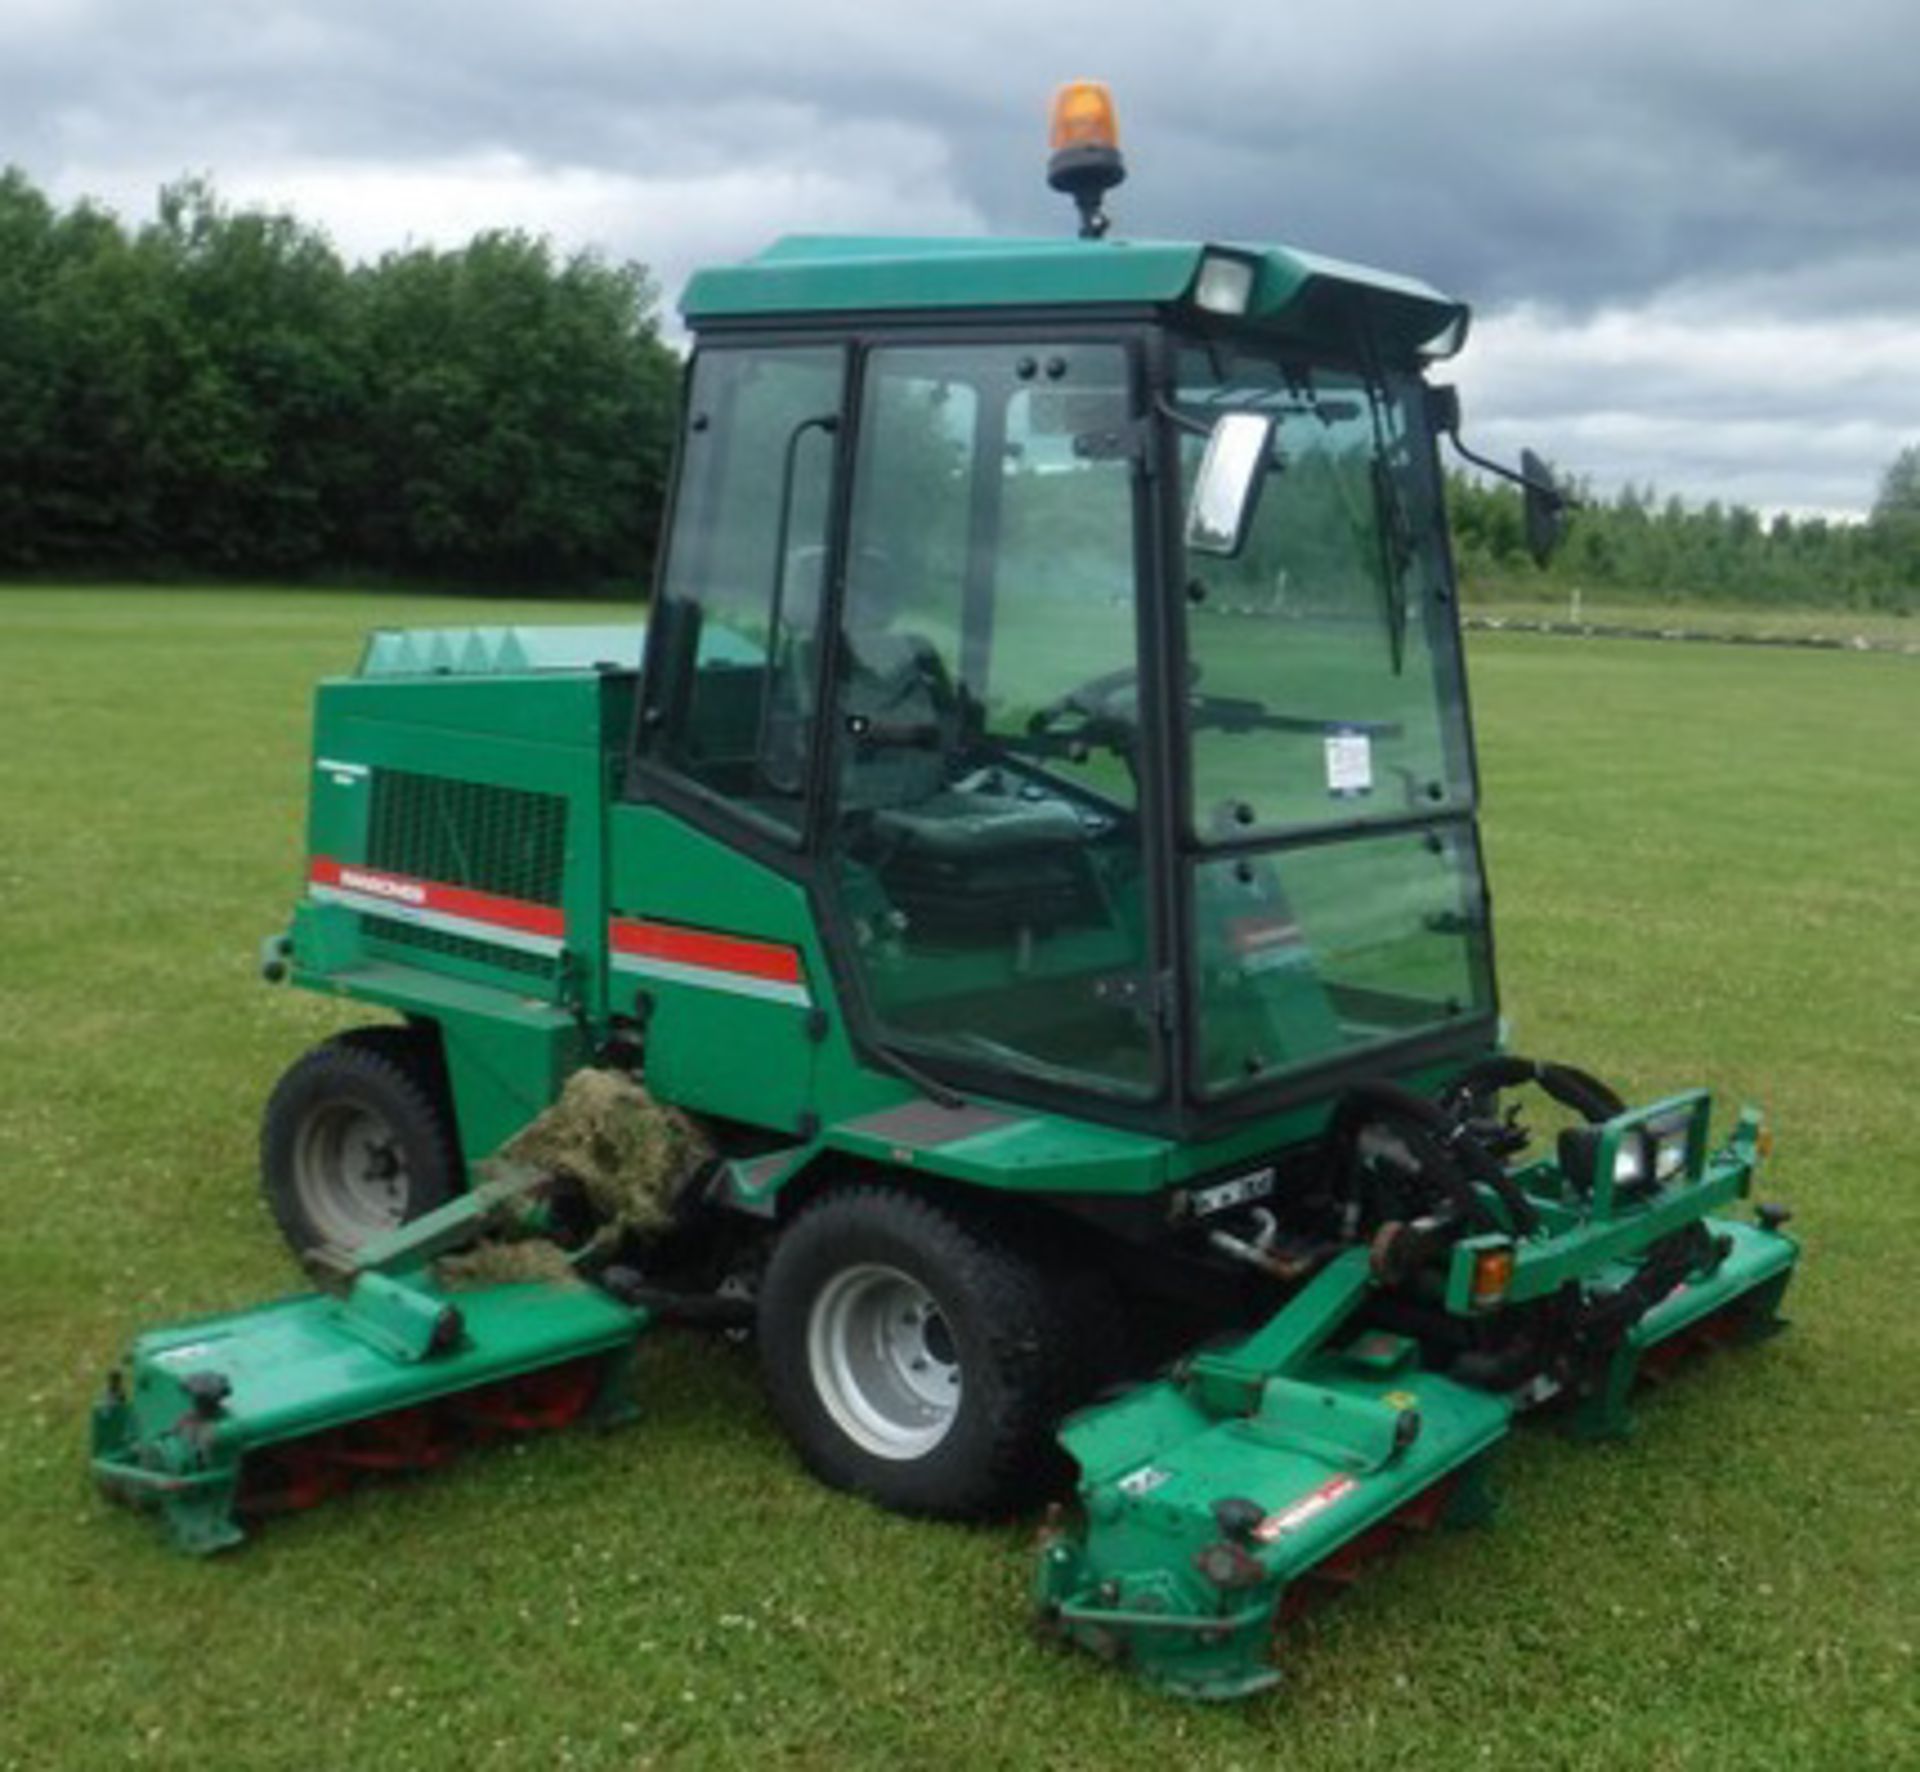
x: 444, y: 921
x: 768, y: 990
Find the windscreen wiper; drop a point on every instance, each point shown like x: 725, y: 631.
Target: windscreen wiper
x: 1392, y: 526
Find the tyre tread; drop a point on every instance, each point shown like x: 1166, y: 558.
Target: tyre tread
x: 1040, y: 1362
x: 396, y: 1061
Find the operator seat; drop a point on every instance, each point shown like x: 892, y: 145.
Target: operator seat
x: 960, y: 852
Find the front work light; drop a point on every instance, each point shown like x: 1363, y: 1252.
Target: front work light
x: 1669, y: 1144
x: 1649, y: 1149
x: 1630, y: 1163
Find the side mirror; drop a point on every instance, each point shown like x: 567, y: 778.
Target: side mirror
x: 1545, y: 511
x: 1226, y: 492
x: 1547, y: 503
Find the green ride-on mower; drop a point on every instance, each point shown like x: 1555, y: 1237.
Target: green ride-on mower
x: 1015, y: 939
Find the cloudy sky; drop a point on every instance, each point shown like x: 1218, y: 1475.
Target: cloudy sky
x: 1690, y: 229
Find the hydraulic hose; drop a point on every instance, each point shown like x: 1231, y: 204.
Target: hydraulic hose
x: 1585, y: 1094
x: 1440, y: 1144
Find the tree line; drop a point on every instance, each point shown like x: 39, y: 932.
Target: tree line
x: 219, y: 391
x: 1637, y: 547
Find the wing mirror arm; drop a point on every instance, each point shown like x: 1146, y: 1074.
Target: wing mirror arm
x: 1547, y: 501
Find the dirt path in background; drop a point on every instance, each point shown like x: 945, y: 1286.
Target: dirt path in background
x: 1596, y: 630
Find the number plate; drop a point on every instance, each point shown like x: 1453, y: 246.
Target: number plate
x: 1237, y: 1192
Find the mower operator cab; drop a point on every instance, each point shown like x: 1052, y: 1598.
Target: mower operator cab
x: 1085, y: 800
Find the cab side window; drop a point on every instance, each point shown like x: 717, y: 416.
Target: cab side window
x: 734, y: 657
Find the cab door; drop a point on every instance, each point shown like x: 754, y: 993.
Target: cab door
x: 711, y: 943
x: 731, y: 691
x: 985, y: 835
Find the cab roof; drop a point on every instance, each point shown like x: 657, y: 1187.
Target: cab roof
x: 1296, y: 296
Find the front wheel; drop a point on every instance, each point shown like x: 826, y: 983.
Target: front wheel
x: 915, y: 1357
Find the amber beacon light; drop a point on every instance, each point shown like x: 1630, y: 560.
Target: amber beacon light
x: 1084, y: 136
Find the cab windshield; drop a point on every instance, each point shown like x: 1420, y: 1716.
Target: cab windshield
x: 1324, y: 679
x: 1326, y: 752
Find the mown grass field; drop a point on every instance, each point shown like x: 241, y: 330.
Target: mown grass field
x: 1706, y: 864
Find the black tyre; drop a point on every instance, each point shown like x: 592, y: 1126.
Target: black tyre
x: 358, y: 1139
x: 915, y: 1357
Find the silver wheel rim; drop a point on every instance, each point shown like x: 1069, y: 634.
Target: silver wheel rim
x: 883, y: 1361
x: 350, y: 1173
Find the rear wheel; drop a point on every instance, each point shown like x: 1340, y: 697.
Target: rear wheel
x: 357, y: 1139
x: 916, y: 1357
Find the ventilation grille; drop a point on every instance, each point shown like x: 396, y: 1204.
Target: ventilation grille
x: 509, y: 841
x: 388, y: 933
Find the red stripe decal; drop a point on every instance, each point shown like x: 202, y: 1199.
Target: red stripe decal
x: 431, y: 895
x: 700, y: 947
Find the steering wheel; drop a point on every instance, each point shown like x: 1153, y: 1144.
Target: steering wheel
x: 1113, y: 696
x: 1102, y: 710
x: 1106, y: 710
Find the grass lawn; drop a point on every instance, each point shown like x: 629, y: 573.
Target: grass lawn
x: 1707, y: 868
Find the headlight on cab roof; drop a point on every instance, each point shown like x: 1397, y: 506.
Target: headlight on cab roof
x: 1224, y: 284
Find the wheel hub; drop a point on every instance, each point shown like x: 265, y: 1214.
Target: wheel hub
x: 883, y: 1361
x: 351, y: 1173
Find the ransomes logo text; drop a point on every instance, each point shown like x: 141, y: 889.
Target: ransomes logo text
x: 382, y: 886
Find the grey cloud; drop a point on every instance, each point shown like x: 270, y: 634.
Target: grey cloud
x: 1699, y: 164
x: 1611, y: 151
